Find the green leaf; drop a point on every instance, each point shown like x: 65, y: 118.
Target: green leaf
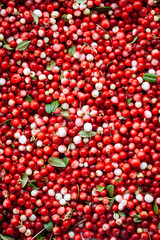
x: 85, y: 134
x: 122, y: 118
x: 158, y: 226
x: 127, y: 191
x: 24, y: 179
x: 65, y: 114
x: 81, y: 1
x: 99, y: 188
x: 118, y: 179
x: 33, y: 185
x: 110, y: 190
x: 56, y: 162
x: 72, y: 50
x: 135, y: 39
x: 111, y: 202
x: 103, y: 9
x: 48, y: 226
x: 51, y: 107
x: 100, y: 198
x: 88, y: 203
x: 64, y: 17
x: 7, y: 46
x: 65, y: 160
x: 69, y: 147
x: 128, y: 101
x: 35, y: 209
x: 50, y: 65
x: 155, y: 208
x: 137, y: 218
x: 6, y: 237
x: 34, y: 77
x: 1, y: 5
x: 150, y: 77
x: 121, y: 214
x: 35, y: 18
x: 159, y: 119
x: 6, y: 122
x: 42, y: 237
x: 28, y: 98
x: 23, y: 45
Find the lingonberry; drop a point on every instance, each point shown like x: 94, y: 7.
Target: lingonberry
x: 79, y: 122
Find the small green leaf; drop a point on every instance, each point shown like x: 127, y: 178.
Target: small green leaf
x: 135, y: 39
x: 28, y: 98
x: 81, y: 1
x: 159, y: 119
x: 69, y: 147
x: 88, y: 203
x: 65, y: 160
x: 103, y: 9
x: 6, y: 237
x: 51, y: 107
x: 158, y: 226
x: 110, y: 190
x: 99, y: 188
x: 64, y: 17
x: 137, y: 218
x: 122, y: 118
x: 128, y: 101
x: 33, y: 185
x: 6, y: 122
x: 100, y: 198
x: 150, y: 77
x: 118, y: 179
x: 65, y: 114
x: 42, y: 237
x: 50, y: 65
x: 35, y: 209
x: 1, y: 5
x: 127, y: 191
x: 7, y: 46
x: 48, y: 226
x: 56, y: 162
x: 34, y: 77
x: 35, y: 18
x: 72, y: 50
x: 23, y: 45
x: 24, y: 179
x: 85, y: 134
x: 121, y: 214
x: 111, y: 202
x: 155, y: 208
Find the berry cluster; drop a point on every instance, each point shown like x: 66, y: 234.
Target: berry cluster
x: 80, y: 119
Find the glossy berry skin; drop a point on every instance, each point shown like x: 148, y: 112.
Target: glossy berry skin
x: 80, y: 119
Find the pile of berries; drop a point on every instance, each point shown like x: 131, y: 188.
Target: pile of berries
x: 80, y: 119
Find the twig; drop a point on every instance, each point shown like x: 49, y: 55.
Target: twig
x: 103, y: 29
x: 38, y: 233
x: 51, y: 236
x: 82, y: 221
